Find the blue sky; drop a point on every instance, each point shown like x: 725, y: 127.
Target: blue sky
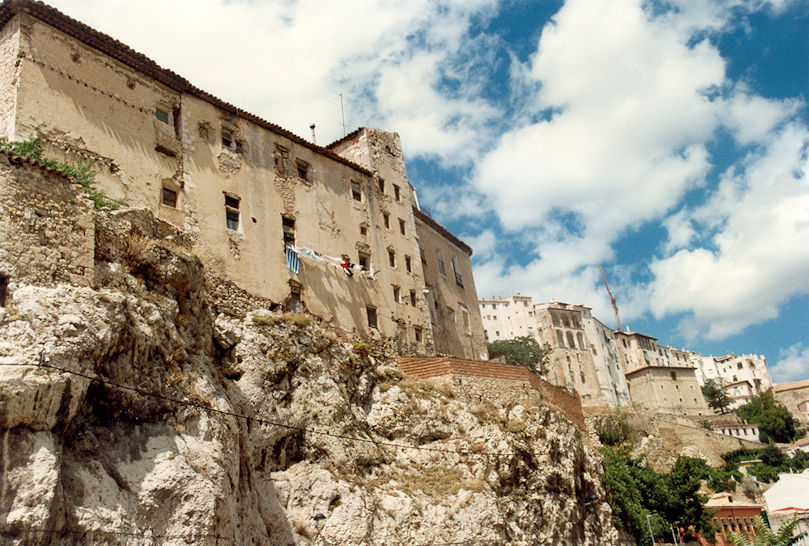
x: 667, y: 139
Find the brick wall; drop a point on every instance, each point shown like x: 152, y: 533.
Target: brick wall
x: 424, y: 368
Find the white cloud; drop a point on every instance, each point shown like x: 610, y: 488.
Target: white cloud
x: 288, y: 60
x: 792, y: 365
x: 758, y: 257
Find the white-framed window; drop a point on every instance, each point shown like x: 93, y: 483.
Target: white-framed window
x: 232, y: 212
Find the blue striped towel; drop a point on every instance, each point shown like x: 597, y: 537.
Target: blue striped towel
x: 293, y: 263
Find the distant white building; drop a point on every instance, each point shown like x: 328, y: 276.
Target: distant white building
x: 741, y: 377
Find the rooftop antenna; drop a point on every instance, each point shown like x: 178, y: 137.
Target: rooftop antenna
x: 312, y: 127
x: 343, y: 113
x: 612, y: 298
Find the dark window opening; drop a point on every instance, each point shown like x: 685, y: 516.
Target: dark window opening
x: 371, y: 312
x: 439, y: 256
x: 418, y: 334
x: 386, y: 220
x: 413, y: 298
x: 396, y: 294
x: 161, y: 115
x: 170, y: 198
x: 364, y: 260
x: 381, y: 185
x: 288, y: 226
x: 396, y: 192
x: 295, y: 305
x: 3, y: 290
x: 232, y: 212
x: 392, y: 258
x: 303, y: 169
x: 674, y: 376
x: 456, y: 268
x: 408, y: 264
x: 401, y: 226
x: 363, y: 230
x: 356, y: 191
x: 228, y: 140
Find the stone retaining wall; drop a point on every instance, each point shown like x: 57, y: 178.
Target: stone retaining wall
x: 515, y: 376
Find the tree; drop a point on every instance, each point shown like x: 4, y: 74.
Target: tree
x: 635, y: 490
x: 766, y: 537
x: 522, y: 351
x: 774, y: 420
x: 716, y: 397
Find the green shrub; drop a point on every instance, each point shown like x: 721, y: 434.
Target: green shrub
x: 361, y: 348
x: 83, y: 173
x: 614, y: 429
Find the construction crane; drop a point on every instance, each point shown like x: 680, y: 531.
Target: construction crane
x: 612, y: 298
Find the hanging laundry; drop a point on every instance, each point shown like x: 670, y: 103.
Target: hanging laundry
x: 346, y: 265
x: 293, y: 263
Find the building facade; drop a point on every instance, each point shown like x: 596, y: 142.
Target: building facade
x: 795, y: 396
x: 741, y: 377
x: 243, y: 188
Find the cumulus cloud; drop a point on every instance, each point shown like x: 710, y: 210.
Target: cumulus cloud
x: 758, y: 257
x: 792, y: 365
x: 287, y: 61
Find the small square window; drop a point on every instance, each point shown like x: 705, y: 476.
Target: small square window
x: 170, y: 198
x: 408, y: 264
x: 392, y: 258
x: 413, y: 298
x: 371, y: 313
x: 363, y: 230
x: 401, y: 226
x: 303, y: 169
x: 386, y: 220
x: 162, y: 115
x: 364, y: 260
x: 356, y: 191
x: 396, y: 192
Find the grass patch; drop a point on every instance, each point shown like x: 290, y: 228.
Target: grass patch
x: 82, y: 173
x: 361, y: 348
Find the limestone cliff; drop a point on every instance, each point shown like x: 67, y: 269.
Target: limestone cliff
x: 173, y: 460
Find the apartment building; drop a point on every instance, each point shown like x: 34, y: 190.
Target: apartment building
x: 741, y: 377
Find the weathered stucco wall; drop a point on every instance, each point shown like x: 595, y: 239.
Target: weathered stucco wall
x: 655, y: 387
x: 46, y: 227
x: 86, y: 105
x: 9, y: 72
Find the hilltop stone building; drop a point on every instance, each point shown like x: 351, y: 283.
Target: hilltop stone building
x: 584, y: 357
x: 741, y: 377
x: 242, y: 188
x: 795, y: 396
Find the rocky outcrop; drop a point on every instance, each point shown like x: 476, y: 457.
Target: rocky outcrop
x: 213, y: 429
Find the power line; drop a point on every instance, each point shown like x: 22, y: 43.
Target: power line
x: 43, y: 364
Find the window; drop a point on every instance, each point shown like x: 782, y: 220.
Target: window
x: 417, y: 330
x: 364, y: 260
x: 456, y: 268
x: 396, y: 294
x: 227, y: 140
x: 288, y: 226
x: 371, y: 313
x: 363, y: 229
x: 465, y: 319
x: 451, y: 315
x: 408, y: 264
x: 396, y: 192
x: 303, y: 169
x: 381, y: 185
x: 439, y: 256
x: 421, y: 252
x: 413, y: 298
x: 401, y: 226
x: 739, y: 365
x: 232, y: 212
x: 162, y: 115
x: 570, y: 342
x: 560, y: 338
x: 580, y: 339
x: 295, y: 305
x: 356, y: 191
x: 392, y: 258
x: 170, y: 198
x: 3, y: 289
x: 386, y: 220
x: 674, y: 376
